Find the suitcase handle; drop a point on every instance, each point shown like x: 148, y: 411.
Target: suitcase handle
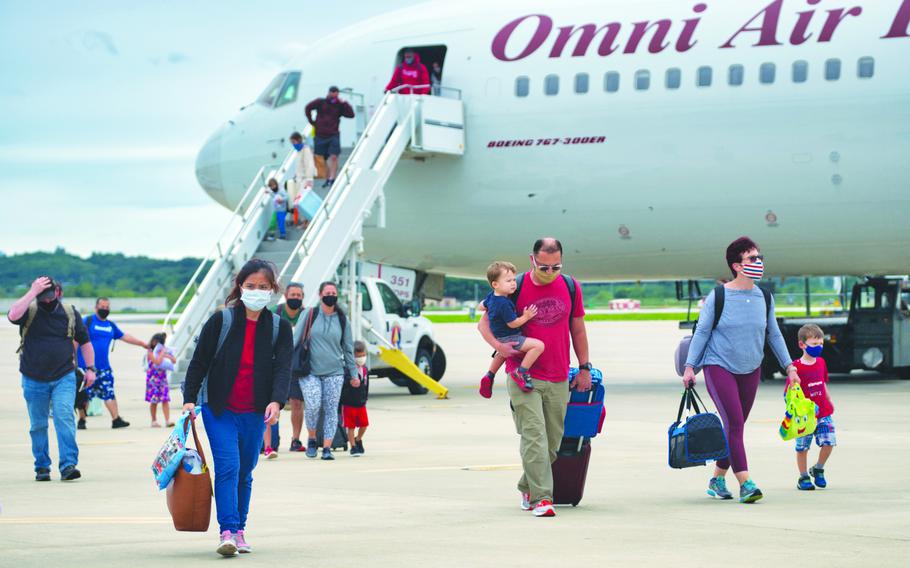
x: 191, y: 421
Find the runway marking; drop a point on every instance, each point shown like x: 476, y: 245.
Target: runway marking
x: 502, y: 467
x: 83, y: 520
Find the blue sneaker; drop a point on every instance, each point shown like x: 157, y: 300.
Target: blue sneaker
x: 717, y: 487
x: 819, y: 474
x: 311, y: 448
x: 804, y: 483
x: 749, y: 493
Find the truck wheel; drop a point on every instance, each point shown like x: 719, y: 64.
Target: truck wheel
x: 399, y: 380
x: 424, y: 362
x: 902, y: 372
x: 439, y: 364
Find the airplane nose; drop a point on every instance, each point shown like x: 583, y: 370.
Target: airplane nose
x: 208, y: 168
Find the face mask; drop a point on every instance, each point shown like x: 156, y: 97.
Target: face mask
x: 103, y: 313
x: 294, y: 303
x: 330, y: 300
x: 48, y: 306
x: 274, y: 189
x: 361, y: 361
x: 298, y: 146
x: 409, y: 60
x: 814, y: 351
x: 754, y: 270
x: 255, y: 299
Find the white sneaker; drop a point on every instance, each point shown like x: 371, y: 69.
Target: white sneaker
x: 544, y: 509
x: 526, y: 502
x: 227, y: 546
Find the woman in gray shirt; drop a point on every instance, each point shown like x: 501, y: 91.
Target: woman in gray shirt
x: 731, y: 354
x: 331, y: 361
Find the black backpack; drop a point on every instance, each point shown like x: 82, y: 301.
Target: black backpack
x: 719, y: 294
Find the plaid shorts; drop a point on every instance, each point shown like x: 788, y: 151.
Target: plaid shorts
x: 103, y: 387
x: 824, y: 435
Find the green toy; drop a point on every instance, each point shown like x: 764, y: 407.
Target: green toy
x: 799, y: 418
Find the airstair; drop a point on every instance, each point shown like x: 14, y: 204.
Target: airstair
x: 416, y: 125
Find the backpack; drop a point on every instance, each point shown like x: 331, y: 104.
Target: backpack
x: 682, y: 350
x: 68, y: 309
x: 570, y: 282
x: 227, y: 318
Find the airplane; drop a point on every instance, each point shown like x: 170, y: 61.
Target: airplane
x: 645, y: 135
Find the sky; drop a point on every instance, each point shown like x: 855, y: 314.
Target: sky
x: 104, y: 104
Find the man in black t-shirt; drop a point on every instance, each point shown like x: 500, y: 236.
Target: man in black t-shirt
x: 47, y: 329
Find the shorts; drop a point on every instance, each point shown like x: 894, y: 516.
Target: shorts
x: 329, y: 146
x: 517, y: 338
x: 355, y: 416
x: 294, y: 391
x: 824, y: 435
x: 103, y: 387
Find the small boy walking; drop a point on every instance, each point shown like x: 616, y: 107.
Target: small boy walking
x: 813, y: 379
x: 354, y: 396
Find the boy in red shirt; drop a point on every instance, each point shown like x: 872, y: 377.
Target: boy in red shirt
x: 354, y: 396
x: 813, y: 378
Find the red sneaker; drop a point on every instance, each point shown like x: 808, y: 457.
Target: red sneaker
x: 523, y: 380
x: 544, y: 509
x: 486, y: 386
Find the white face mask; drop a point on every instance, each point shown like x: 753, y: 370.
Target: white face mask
x: 255, y: 300
x: 361, y: 361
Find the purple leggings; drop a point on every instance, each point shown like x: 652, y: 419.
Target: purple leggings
x: 733, y: 395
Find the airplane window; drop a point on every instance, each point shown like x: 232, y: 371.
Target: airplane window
x: 581, y: 83
x: 800, y: 71
x: 551, y: 85
x: 522, y: 86
x: 704, y: 76
x: 735, y: 77
x: 642, y: 80
x: 766, y: 73
x: 866, y: 68
x: 832, y: 69
x: 611, y: 82
x: 270, y: 93
x: 674, y: 78
x: 289, y: 91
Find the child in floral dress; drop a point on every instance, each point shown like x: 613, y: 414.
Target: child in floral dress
x: 159, y: 361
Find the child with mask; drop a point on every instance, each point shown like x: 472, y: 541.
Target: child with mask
x: 354, y: 401
x: 506, y: 327
x: 280, y: 202
x: 813, y: 379
x: 158, y: 361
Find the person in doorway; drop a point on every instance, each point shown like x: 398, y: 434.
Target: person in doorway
x: 410, y: 72
x: 103, y: 333
x: 304, y: 173
x: 436, y: 78
x: 354, y: 401
x: 47, y: 330
x: 157, y: 390
x: 329, y: 111
x: 731, y: 355
x: 247, y: 381
x: 331, y: 353
x: 289, y: 311
x: 540, y: 413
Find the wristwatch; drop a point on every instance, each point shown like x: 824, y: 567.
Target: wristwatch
x: 91, y: 368
x: 586, y: 366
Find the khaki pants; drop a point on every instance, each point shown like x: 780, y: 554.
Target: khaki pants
x: 539, y: 417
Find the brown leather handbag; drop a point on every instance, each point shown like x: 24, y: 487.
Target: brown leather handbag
x: 189, y: 496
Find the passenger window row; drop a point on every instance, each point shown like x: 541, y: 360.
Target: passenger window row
x: 704, y: 77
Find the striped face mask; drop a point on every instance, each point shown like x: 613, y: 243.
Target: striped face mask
x: 754, y: 270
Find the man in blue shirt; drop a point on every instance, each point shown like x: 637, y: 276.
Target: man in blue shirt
x: 103, y: 332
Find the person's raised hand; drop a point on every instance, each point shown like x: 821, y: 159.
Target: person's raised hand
x: 40, y: 284
x: 688, y: 379
x: 191, y: 408
x: 271, y: 413
x: 507, y: 350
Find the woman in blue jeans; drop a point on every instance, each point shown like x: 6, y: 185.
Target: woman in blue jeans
x: 242, y: 386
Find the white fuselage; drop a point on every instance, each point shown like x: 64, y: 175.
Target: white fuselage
x: 816, y: 172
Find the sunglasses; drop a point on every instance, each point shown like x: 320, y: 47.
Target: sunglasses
x: 546, y: 267
x: 755, y: 258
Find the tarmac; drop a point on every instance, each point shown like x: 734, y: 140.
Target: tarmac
x: 437, y: 484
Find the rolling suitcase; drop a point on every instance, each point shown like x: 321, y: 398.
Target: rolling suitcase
x: 570, y: 471
x: 340, y: 440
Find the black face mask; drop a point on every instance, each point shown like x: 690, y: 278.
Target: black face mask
x: 294, y: 303
x: 103, y: 313
x: 330, y: 300
x: 48, y: 306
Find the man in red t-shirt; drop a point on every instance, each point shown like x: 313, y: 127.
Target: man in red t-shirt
x: 540, y: 414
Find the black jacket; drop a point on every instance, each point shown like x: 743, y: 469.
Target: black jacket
x: 271, y: 369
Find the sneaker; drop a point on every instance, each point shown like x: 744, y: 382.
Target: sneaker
x: 81, y: 424
x: 243, y: 546
x: 544, y: 508
x: 227, y: 546
x: 749, y: 493
x: 717, y: 487
x: 42, y: 474
x: 486, y: 386
x: 523, y: 380
x: 70, y: 473
x: 804, y: 483
x: 355, y: 451
x: 270, y: 454
x: 526, y: 502
x: 156, y: 425
x: 819, y: 474
x: 119, y: 422
x: 326, y: 183
x: 311, y: 448
x: 327, y: 454
x: 359, y: 444
x: 297, y: 446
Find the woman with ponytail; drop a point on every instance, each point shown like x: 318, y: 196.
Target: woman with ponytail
x: 242, y: 385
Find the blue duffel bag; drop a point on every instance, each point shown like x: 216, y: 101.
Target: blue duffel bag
x: 585, y: 413
x: 699, y: 439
